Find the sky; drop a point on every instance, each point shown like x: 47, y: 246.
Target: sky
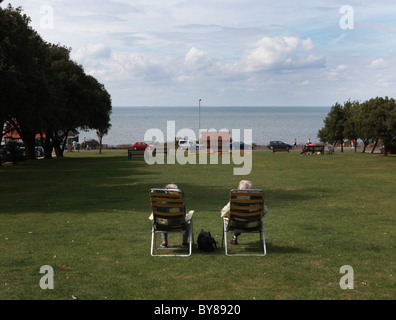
x: 227, y: 52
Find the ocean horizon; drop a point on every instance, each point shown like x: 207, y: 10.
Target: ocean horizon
x: 130, y: 123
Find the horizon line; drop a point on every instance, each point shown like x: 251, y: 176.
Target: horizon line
x: 218, y: 106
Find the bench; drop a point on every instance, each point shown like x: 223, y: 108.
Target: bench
x: 312, y: 149
x: 280, y: 148
x: 132, y: 152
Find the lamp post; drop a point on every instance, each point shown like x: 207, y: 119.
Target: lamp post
x: 199, y: 115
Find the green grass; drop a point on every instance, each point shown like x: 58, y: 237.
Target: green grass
x: 87, y: 216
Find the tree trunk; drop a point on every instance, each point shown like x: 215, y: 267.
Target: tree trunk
x: 56, y: 142
x: 365, y: 144
x: 47, y: 145
x: 100, y: 144
x: 29, y: 140
x: 375, y: 145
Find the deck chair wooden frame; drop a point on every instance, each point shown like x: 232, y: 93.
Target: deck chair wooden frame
x: 169, y: 215
x: 246, y: 209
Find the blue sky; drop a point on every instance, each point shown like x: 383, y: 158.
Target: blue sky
x: 227, y: 52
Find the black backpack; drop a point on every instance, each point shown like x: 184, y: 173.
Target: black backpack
x: 206, y: 242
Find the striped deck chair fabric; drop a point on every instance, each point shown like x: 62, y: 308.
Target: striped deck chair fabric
x: 169, y: 214
x: 246, y: 211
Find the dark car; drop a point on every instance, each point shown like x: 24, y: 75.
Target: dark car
x: 241, y: 145
x: 141, y: 145
x: 12, y: 153
x: 280, y: 144
x: 39, y: 151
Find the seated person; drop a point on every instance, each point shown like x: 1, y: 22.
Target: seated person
x: 225, y: 212
x: 164, y: 235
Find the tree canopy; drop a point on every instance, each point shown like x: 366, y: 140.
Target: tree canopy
x: 44, y: 91
x: 373, y: 120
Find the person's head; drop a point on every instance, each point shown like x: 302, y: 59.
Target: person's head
x: 171, y: 186
x: 245, y: 184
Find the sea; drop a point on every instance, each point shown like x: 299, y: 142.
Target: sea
x: 129, y: 124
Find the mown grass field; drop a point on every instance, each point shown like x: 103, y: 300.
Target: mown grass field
x: 87, y: 216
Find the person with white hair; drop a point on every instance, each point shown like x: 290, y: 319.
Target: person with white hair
x: 225, y: 212
x: 164, y: 235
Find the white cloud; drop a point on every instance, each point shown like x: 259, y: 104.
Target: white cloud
x: 131, y: 66
x: 383, y: 82
x: 281, y: 53
x: 227, y: 51
x: 378, y: 63
x: 337, y: 73
x: 196, y: 59
x: 92, y: 51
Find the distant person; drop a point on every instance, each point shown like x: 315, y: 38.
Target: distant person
x: 225, y: 212
x: 295, y: 143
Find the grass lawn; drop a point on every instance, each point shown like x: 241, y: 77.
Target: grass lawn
x: 87, y: 216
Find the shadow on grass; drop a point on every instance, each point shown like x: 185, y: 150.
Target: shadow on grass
x: 103, y: 184
x: 75, y: 185
x: 271, y: 248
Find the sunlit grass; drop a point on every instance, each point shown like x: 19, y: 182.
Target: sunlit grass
x: 87, y: 217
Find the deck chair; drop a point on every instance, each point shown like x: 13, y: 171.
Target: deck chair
x: 169, y: 215
x: 246, y: 208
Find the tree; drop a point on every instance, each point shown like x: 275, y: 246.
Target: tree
x: 371, y: 121
x: 101, y: 133
x: 43, y: 91
x: 334, y: 128
x: 365, y: 133
x: 378, y: 122
x: 391, y: 125
x: 352, y: 124
x: 23, y: 81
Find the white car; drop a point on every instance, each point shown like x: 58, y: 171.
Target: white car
x: 190, y: 144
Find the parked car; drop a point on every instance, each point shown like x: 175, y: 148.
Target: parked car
x: 39, y: 151
x: 190, y: 144
x: 12, y: 153
x: 280, y: 144
x: 140, y: 145
x: 241, y: 145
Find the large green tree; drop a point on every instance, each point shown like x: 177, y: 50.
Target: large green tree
x: 352, y: 124
x: 373, y: 120
x: 334, y: 126
x: 43, y: 91
x: 380, y: 121
x: 21, y: 78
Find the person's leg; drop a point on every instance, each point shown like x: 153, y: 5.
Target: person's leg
x: 164, y: 236
x: 234, y: 239
x: 186, y: 233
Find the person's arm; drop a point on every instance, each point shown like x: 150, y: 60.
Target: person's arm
x: 225, y: 212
